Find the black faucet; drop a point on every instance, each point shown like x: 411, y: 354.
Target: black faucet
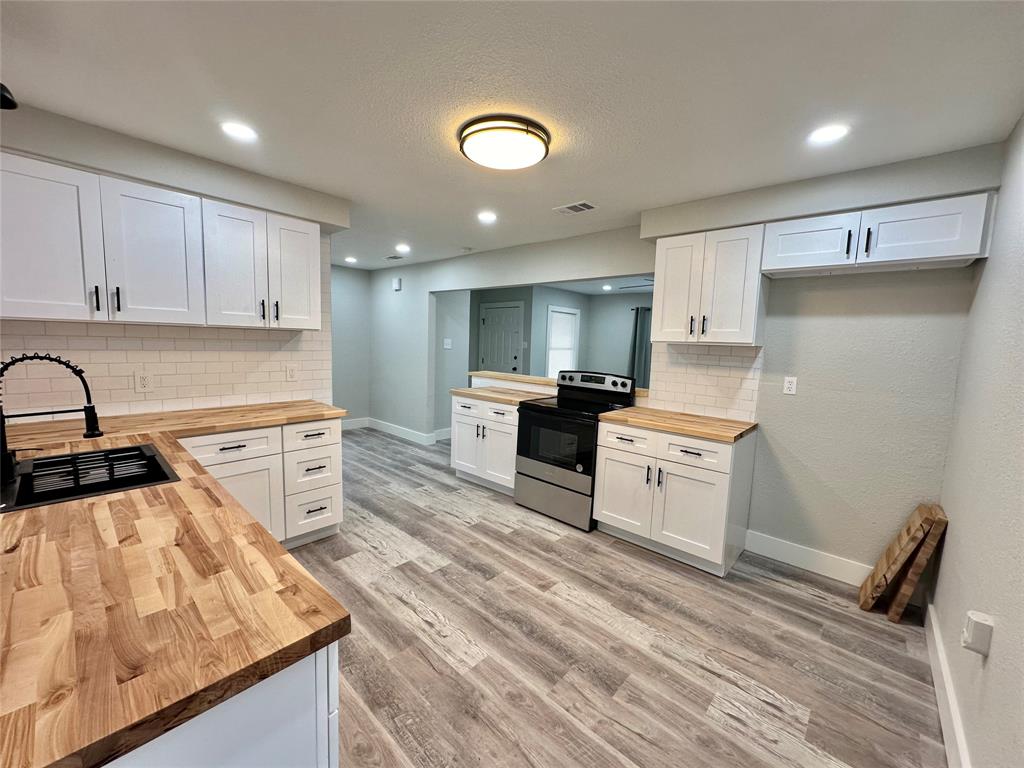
x: 92, y: 422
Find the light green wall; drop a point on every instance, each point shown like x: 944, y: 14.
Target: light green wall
x: 543, y: 297
x: 350, y: 340
x: 451, y: 311
x: 610, y: 331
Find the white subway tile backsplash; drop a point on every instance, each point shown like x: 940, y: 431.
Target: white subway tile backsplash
x: 705, y: 380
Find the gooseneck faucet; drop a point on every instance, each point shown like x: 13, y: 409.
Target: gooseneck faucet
x: 92, y: 422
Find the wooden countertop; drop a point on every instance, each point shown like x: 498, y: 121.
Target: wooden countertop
x: 197, y: 421
x: 541, y: 381
x: 676, y: 422
x: 495, y: 394
x: 127, y: 614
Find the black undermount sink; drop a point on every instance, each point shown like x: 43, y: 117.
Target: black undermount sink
x: 54, y: 479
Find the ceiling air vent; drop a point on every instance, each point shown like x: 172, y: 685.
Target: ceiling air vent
x: 573, y: 208
x: 394, y: 257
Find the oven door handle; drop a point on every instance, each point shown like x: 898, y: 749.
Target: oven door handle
x: 533, y: 417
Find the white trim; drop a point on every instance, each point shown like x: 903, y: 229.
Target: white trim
x: 953, y: 736
x: 443, y: 434
x: 552, y: 309
x: 358, y: 423
x: 824, y: 563
x: 422, y: 438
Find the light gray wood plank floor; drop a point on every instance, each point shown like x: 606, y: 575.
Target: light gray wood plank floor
x: 484, y: 634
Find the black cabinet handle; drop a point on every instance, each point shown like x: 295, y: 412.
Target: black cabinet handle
x: 314, y: 434
x: 314, y: 469
x: 97, y: 289
x: 485, y: 433
x: 690, y: 453
x: 703, y: 324
x: 263, y: 309
x: 624, y: 439
x: 231, y: 447
x: 315, y: 509
x: 692, y: 321
x: 117, y: 298
x: 467, y: 407
x: 498, y: 413
x: 648, y: 474
x: 478, y: 431
x: 849, y: 240
x: 867, y: 243
x: 659, y: 477
x: 277, y: 310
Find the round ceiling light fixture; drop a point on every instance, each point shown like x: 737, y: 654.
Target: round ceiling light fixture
x: 403, y: 248
x: 504, y: 142
x: 239, y: 131
x: 487, y: 217
x: 828, y: 134
x: 351, y: 259
x: 606, y: 287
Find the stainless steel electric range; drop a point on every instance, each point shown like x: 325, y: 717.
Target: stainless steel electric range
x: 557, y: 446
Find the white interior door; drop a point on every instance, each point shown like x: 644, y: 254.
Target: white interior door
x: 563, y: 342
x: 237, y: 284
x: 730, y: 285
x: 465, y: 444
x: 678, y: 262
x: 498, y: 447
x: 293, y: 253
x: 690, y: 509
x: 501, y: 337
x: 624, y: 490
x: 154, y: 251
x: 51, y: 242
x: 929, y: 230
x: 258, y: 485
x: 820, y: 241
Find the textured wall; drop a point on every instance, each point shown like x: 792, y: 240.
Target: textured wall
x: 195, y: 367
x: 350, y: 340
x: 983, y: 492
x: 452, y: 322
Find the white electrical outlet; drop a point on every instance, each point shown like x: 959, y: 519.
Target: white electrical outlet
x: 144, y: 382
x: 291, y: 371
x: 789, y: 385
x: 447, y: 344
x: 977, y: 632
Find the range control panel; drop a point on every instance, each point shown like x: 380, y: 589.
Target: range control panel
x: 608, y: 382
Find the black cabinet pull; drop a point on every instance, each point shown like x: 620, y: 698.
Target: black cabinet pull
x: 703, y: 324
x: 498, y: 413
x: 314, y: 469
x: 624, y: 439
x: 692, y: 321
x: 315, y: 509
x: 277, y: 310
x: 659, y: 477
x: 867, y: 243
x: 263, y: 309
x: 231, y: 447
x: 117, y: 298
x: 485, y: 433
x: 849, y: 240
x: 690, y: 453
x: 648, y: 474
x: 314, y: 434
x: 478, y: 431
x: 97, y: 289
x: 467, y: 407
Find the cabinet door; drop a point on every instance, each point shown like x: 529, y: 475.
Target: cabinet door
x: 465, y: 444
x: 820, y: 241
x: 930, y: 230
x: 258, y: 485
x: 678, y: 263
x: 51, y: 251
x: 235, y: 240
x: 624, y: 490
x: 154, y: 252
x: 690, y: 509
x: 293, y: 253
x: 731, y: 285
x: 498, y: 452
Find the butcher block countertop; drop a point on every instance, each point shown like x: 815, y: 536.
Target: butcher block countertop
x: 197, y: 421
x: 496, y: 394
x: 127, y: 614
x: 676, y: 422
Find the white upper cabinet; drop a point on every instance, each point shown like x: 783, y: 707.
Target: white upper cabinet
x: 708, y: 287
x: 153, y: 240
x: 678, y: 264
x: 935, y: 229
x: 236, y: 265
x: 820, y: 241
x: 293, y: 249
x: 51, y: 254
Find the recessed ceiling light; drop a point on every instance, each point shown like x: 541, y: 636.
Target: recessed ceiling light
x: 403, y: 248
x: 606, y: 287
x: 828, y: 134
x: 351, y: 259
x: 239, y: 131
x: 504, y: 142
x: 487, y: 217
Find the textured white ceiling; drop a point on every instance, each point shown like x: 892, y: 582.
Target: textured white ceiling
x: 648, y: 104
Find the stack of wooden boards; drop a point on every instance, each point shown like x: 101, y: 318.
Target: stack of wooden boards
x: 915, y: 542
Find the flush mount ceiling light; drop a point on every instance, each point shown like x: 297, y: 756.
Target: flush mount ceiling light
x: 504, y: 142
x: 606, y: 287
x: 487, y: 217
x: 403, y: 248
x: 828, y: 134
x: 351, y: 259
x: 239, y: 131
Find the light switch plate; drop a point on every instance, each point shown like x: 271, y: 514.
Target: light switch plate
x: 144, y: 382
x: 789, y: 385
x: 396, y: 284
x: 447, y: 343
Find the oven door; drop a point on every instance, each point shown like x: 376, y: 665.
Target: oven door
x: 557, y: 448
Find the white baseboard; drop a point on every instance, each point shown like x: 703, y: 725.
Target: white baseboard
x: 442, y: 434
x: 422, y: 438
x: 363, y: 421
x: 833, y: 566
x: 953, y: 735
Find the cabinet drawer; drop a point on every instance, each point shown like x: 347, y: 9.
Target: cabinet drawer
x: 310, y: 434
x: 312, y: 468
x: 505, y: 414
x: 312, y: 510
x: 626, y: 438
x: 695, y: 452
x: 232, y: 446
x: 465, y: 406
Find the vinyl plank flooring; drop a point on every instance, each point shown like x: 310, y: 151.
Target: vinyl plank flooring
x: 484, y: 634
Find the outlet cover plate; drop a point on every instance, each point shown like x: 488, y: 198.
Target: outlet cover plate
x: 789, y: 385
x: 144, y: 382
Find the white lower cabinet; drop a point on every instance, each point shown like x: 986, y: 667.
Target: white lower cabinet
x: 669, y: 497
x: 485, y: 448
x: 295, y: 493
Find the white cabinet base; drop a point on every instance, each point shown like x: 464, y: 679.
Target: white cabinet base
x: 718, y: 569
